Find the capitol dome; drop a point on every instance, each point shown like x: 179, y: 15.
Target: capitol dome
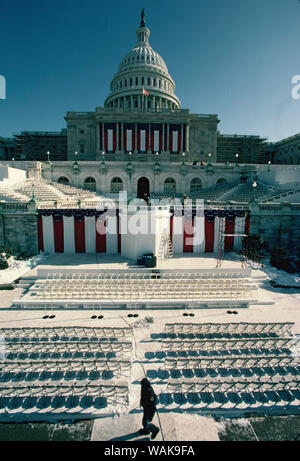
x: 142, y: 81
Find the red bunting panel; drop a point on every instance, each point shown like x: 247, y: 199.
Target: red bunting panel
x: 100, y: 235
x: 209, y: 236
x: 58, y: 228
x: 79, y: 236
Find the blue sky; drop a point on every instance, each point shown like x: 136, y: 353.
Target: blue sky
x: 234, y: 58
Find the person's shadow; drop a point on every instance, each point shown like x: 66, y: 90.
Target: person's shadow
x: 134, y: 435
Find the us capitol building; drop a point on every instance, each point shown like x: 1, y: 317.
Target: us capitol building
x: 141, y: 141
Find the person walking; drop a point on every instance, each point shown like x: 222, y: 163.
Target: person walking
x: 148, y: 402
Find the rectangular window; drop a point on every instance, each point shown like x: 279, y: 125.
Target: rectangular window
x: 136, y: 81
x: 81, y: 148
x: 131, y: 82
x: 143, y: 81
x: 154, y: 82
x: 148, y: 81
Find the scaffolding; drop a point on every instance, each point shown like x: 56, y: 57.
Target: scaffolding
x: 166, y: 249
x: 222, y: 235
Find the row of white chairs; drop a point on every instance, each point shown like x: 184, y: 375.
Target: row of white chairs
x: 178, y: 386
x: 146, y: 275
x: 240, y: 328
x: 29, y: 366
x: 105, y: 346
x: 221, y: 344
x: 232, y: 362
x: 69, y: 378
x: 155, y: 282
x: 147, y: 294
x: 66, y: 332
x: 110, y: 390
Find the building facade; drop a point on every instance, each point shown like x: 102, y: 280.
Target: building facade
x: 284, y: 152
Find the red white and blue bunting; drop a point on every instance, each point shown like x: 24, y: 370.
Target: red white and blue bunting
x: 92, y: 231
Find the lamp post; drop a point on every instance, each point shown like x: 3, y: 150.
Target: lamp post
x: 48, y: 155
x: 209, y: 158
x: 269, y: 163
x: 254, y: 185
x: 103, y: 166
x: 237, y: 159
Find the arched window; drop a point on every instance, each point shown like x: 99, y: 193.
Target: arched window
x: 63, y: 180
x: 90, y: 184
x: 196, y: 185
x: 222, y: 181
x: 170, y: 186
x: 116, y: 185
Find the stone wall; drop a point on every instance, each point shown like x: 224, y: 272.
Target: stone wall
x: 278, y: 224
x: 18, y: 227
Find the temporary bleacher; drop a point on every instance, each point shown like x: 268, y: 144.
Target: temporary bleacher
x: 212, y: 193
x: 76, y: 365
x: 72, y: 191
x: 40, y: 189
x: 63, y: 289
x: 44, y: 191
x: 247, y: 193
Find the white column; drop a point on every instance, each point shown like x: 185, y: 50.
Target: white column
x: 48, y: 233
x: 69, y: 234
x: 199, y: 234
x: 111, y: 235
x: 178, y: 234
x: 90, y: 234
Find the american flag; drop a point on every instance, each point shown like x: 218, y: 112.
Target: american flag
x: 145, y: 92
